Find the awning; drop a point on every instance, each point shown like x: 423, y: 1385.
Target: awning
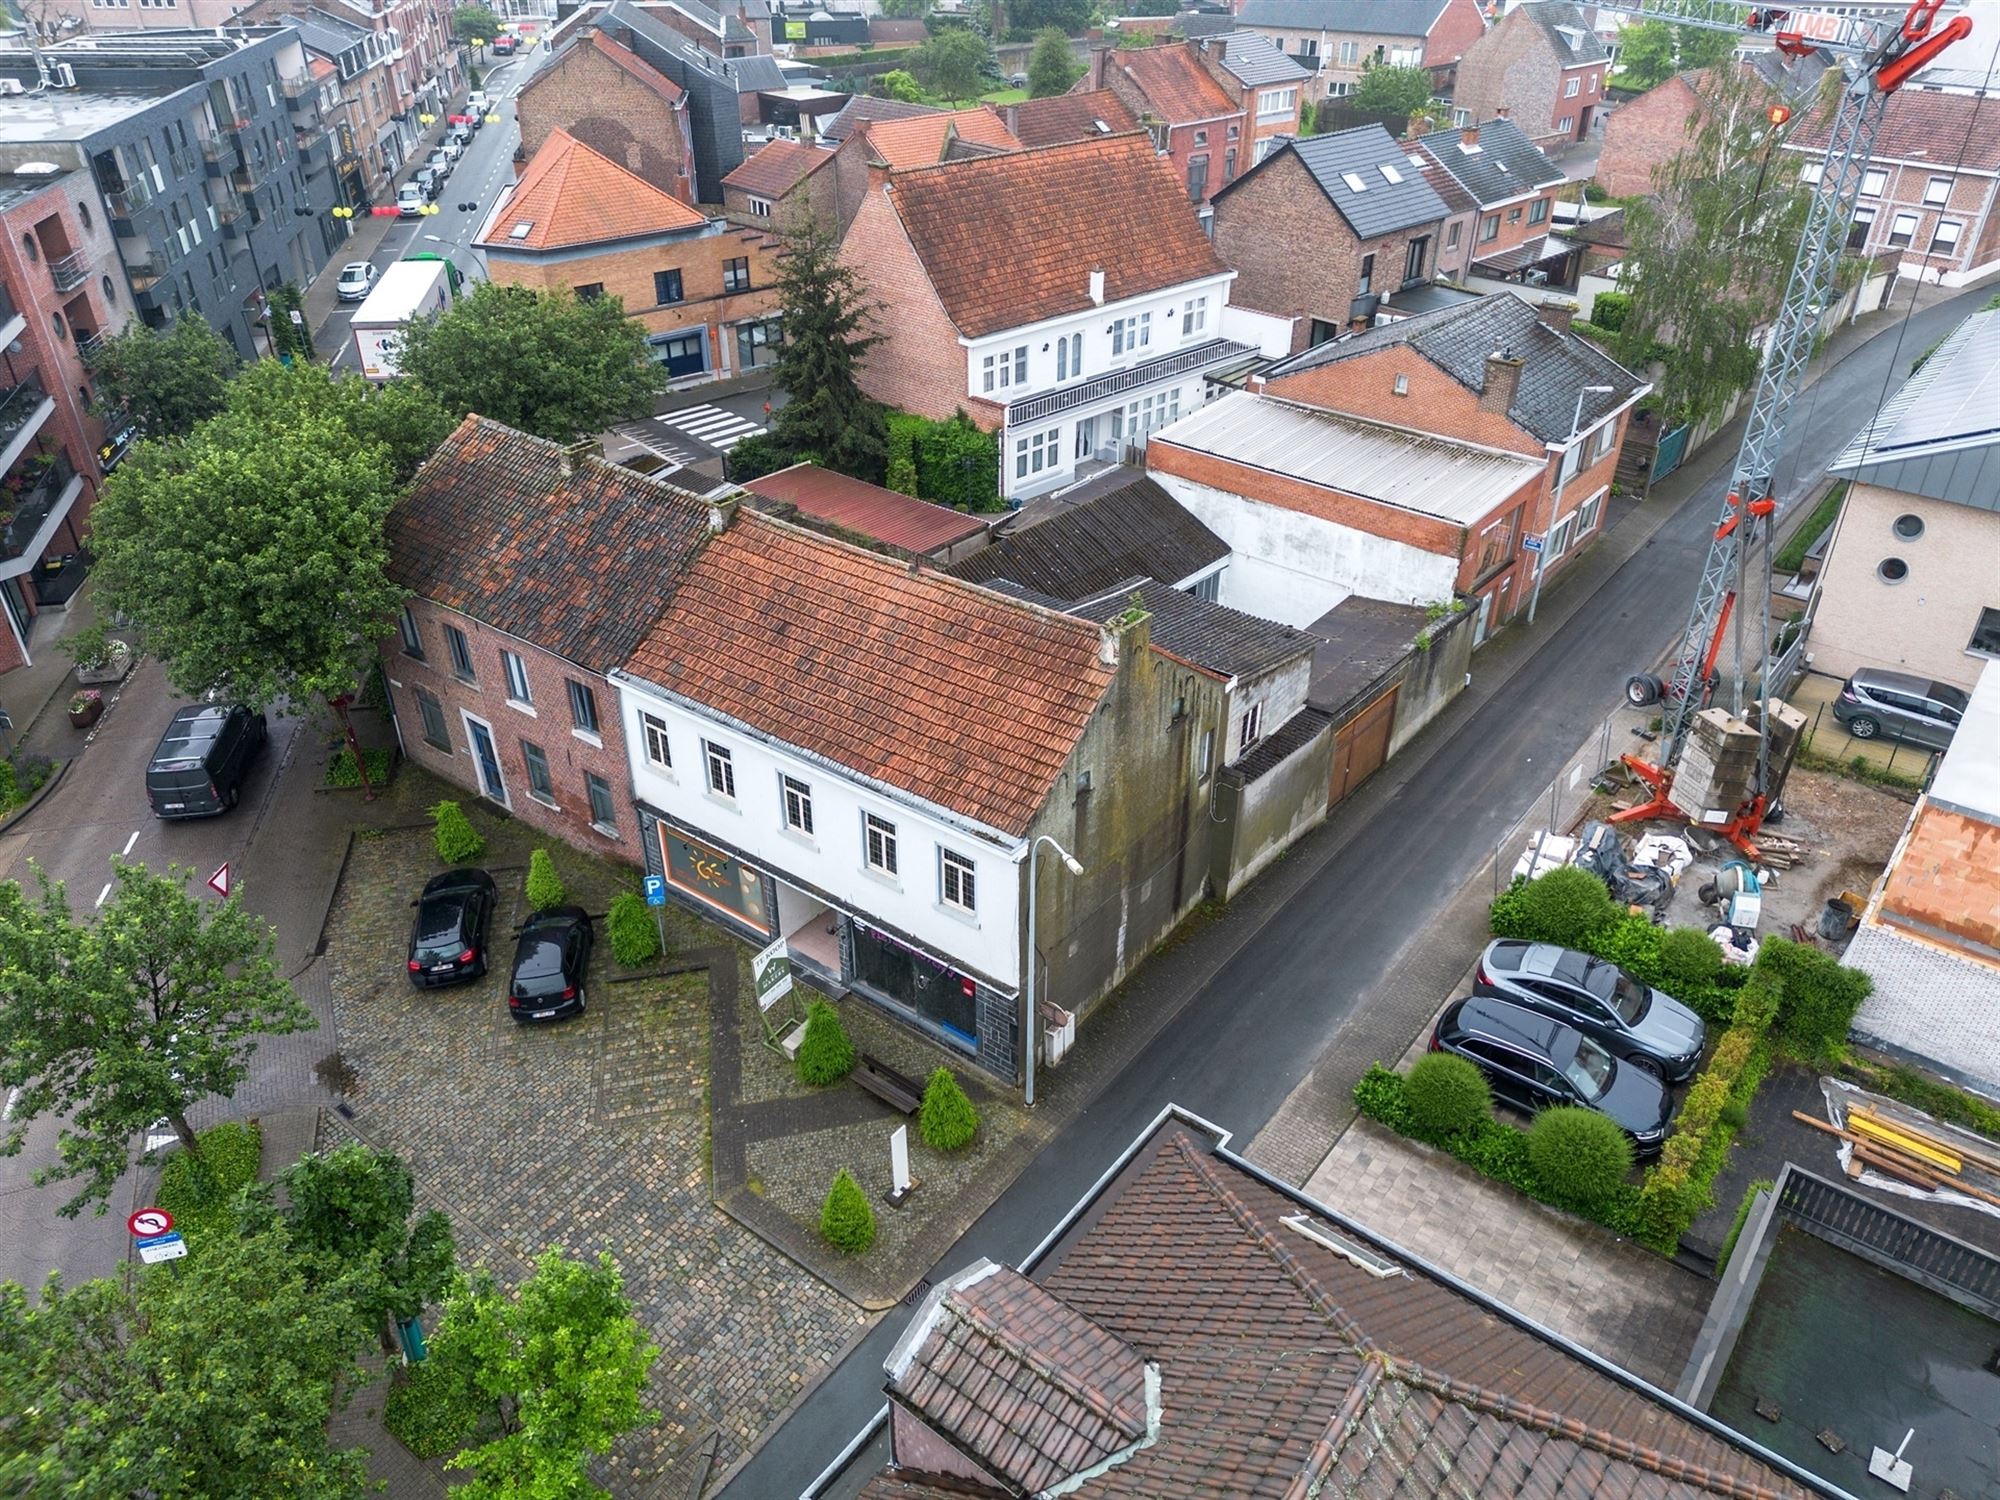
x: 1534, y: 252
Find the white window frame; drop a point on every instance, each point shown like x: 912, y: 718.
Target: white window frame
x: 760, y: 207
x: 1561, y: 537
x: 519, y: 693
x: 878, y: 844
x: 1811, y: 173
x: 797, y: 799
x: 1935, y: 198
x: 1572, y: 88
x: 1205, y: 755
x: 1588, y: 514
x: 1273, y: 104
x: 1009, y: 368
x: 1194, y: 316
x: 1350, y: 53
x: 1878, y: 177
x: 1037, y: 452
x: 654, y: 743
x: 1941, y: 246
x: 718, y: 770
x: 1602, y: 440
x: 958, y: 882
x: 1538, y: 211
x: 1908, y: 236
x: 1252, y: 727
x: 1567, y: 122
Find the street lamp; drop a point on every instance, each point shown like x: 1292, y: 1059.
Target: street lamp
x: 1562, y: 478
x: 1034, y: 864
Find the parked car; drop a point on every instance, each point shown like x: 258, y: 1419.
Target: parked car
x: 460, y: 136
x: 1898, y: 706
x: 1535, y: 1062
x: 204, y: 757
x: 410, y: 200
x: 1646, y: 1027
x: 550, y: 962
x: 450, y: 149
x: 478, y: 103
x: 448, y: 935
x: 357, y: 280
x: 504, y: 44
x: 430, y: 182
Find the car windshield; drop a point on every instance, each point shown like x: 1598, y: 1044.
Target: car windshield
x: 441, y: 924
x: 1588, y: 1069
x: 1617, y: 989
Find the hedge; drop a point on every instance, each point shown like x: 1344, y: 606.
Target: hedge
x: 457, y: 840
x: 948, y: 463
x: 946, y: 1121
x: 433, y: 1413
x: 199, y: 1189
x: 635, y: 935
x: 1447, y: 1094
x: 825, y: 1054
x: 846, y: 1219
x: 1580, y: 1156
x: 545, y: 887
x: 1820, y: 997
x: 340, y: 770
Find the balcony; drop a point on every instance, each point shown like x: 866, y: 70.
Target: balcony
x: 33, y: 500
x: 88, y: 342
x: 1086, y: 392
x: 23, y: 411
x: 1310, y: 61
x: 70, y: 272
x: 127, y: 199
x: 243, y: 180
x: 12, y: 324
x: 120, y: 433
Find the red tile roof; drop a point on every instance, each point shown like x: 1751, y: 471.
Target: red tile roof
x: 571, y: 195
x: 1923, y: 127
x: 1050, y: 218
x: 777, y: 168
x: 1175, y: 82
x: 494, y: 528
x: 1071, y: 117
x: 921, y: 140
x: 943, y: 690
x: 900, y: 521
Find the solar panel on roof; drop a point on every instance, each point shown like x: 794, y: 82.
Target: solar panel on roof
x: 1961, y: 400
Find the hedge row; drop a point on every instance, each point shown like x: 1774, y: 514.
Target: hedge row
x: 948, y: 463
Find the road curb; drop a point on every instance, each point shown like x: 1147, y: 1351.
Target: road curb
x: 20, y: 814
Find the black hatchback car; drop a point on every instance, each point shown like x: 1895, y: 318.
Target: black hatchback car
x: 448, y: 937
x: 550, y: 962
x: 204, y: 757
x: 1535, y: 1062
x: 1646, y: 1027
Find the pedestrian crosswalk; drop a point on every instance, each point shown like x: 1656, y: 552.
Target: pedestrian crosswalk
x: 720, y: 429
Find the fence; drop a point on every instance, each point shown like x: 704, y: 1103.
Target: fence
x: 1952, y: 1267
x: 1560, y: 806
x: 1905, y: 764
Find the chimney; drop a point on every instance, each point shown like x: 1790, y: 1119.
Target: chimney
x: 720, y: 514
x: 575, y: 453
x: 1501, y: 113
x: 1097, y: 289
x: 1503, y: 380
x: 1469, y: 136
x: 1559, y: 315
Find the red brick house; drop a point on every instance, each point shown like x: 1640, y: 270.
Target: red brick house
x: 1645, y: 133
x: 877, y: 146
x: 779, y: 182
x: 1269, y: 85
x: 1499, y: 193
x: 1062, y: 118
x: 1336, y: 40
x: 1542, y: 63
x: 532, y: 573
x: 1325, y: 229
x: 1204, y: 128
x: 620, y: 106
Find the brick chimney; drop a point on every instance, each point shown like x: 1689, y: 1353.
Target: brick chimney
x: 1418, y: 126
x: 1503, y: 381
x: 1502, y: 112
x: 1469, y: 136
x: 1558, y: 315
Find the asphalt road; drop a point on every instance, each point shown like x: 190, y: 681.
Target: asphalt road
x: 1260, y: 1024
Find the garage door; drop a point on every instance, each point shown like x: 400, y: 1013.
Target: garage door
x: 1361, y: 745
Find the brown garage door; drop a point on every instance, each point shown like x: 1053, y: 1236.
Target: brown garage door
x: 1362, y: 744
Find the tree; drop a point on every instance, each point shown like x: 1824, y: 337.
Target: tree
x: 168, y: 382
x: 550, y: 363
x: 1070, y: 17
x: 212, y: 1381
x: 900, y: 84
x: 357, y: 1206
x: 1653, y: 51
x: 951, y: 63
x: 1052, y: 67
x: 1708, y: 254
x: 828, y: 331
x: 405, y: 419
x: 475, y: 24
x: 131, y: 1018
x: 560, y: 1365
x: 1393, y: 91
x: 902, y: 10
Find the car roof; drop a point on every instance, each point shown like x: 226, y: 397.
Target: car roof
x: 1502, y: 1021
x: 468, y: 879
x: 355, y: 265
x: 555, y: 917
x: 1907, y: 682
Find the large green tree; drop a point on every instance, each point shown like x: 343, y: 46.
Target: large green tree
x: 356, y: 1206
x: 210, y: 1381
x: 1651, y: 52
x: 131, y: 1018
x: 1393, y: 91
x: 167, y: 381
x: 1707, y: 255
x: 475, y: 24
x: 405, y: 419
x: 952, y: 63
x: 900, y: 84
x: 829, y: 329
x: 1070, y: 17
x: 1052, y: 66
x: 550, y: 363
x: 559, y: 1365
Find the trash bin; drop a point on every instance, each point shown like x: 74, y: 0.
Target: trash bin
x: 1835, y: 920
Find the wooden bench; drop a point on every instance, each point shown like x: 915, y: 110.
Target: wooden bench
x: 885, y: 1083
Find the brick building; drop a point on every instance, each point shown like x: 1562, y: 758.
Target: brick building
x: 1642, y: 135
x: 877, y: 146
x: 619, y: 105
x: 1544, y: 65
x: 1203, y: 127
x: 1336, y: 40
x: 1111, y: 310
x: 1499, y: 193
x: 1326, y: 229
x: 704, y: 290
x: 1931, y: 190
x: 778, y: 183
x: 533, y: 572
x: 1268, y: 84
x: 1061, y: 118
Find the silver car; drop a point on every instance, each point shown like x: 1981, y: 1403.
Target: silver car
x: 1646, y: 1027
x: 1898, y: 706
x: 357, y: 279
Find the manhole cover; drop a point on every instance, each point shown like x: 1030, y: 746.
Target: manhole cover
x: 917, y: 1294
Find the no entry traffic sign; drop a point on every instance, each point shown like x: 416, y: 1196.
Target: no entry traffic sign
x: 150, y: 1221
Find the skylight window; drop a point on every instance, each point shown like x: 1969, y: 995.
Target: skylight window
x: 1391, y: 175
x: 1358, y: 1255
x: 521, y: 230
x: 1354, y: 182
x: 1417, y: 162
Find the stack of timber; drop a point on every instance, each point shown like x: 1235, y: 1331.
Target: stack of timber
x: 1920, y: 1153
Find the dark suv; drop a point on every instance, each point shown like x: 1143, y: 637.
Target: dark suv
x: 1898, y: 706
x: 1536, y: 1062
x: 203, y: 759
x: 1646, y: 1027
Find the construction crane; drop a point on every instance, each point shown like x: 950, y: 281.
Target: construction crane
x: 1879, y: 55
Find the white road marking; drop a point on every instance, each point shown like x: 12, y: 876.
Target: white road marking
x: 129, y: 843
x: 102, y: 894
x: 713, y: 425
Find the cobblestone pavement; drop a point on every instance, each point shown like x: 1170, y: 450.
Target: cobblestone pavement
x: 1635, y: 1308
x: 591, y: 1133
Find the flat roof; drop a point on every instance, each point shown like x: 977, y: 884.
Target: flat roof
x: 1412, y: 471
x: 1968, y: 777
x: 897, y: 520
x: 1360, y: 640
x: 74, y: 114
x: 19, y: 187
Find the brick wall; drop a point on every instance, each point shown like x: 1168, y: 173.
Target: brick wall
x: 850, y: 174
x: 1453, y: 33
x: 547, y: 723
x: 1517, y: 225
x: 1969, y: 204
x: 1580, y: 109
x: 1365, y: 386
x: 919, y: 366
x: 1642, y: 136
x: 1513, y: 67
x: 812, y: 197
x: 613, y: 113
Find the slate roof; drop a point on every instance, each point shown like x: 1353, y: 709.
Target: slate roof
x: 1556, y: 16
x: 493, y: 528
x: 1200, y: 23
x: 1531, y: 252
x: 1555, y: 366
x: 1255, y: 61
x: 900, y: 521
x: 867, y: 107
x: 1285, y: 1368
x: 1919, y: 126
x: 777, y: 168
x: 1118, y: 525
x: 1070, y: 117
x: 1175, y: 82
x: 570, y: 195
x: 756, y: 71
x: 1376, y: 17
x: 1277, y: 747
x: 921, y: 140
x: 1505, y: 165
x: 1371, y: 156
x: 944, y: 691
x: 1456, y: 199
x: 1220, y: 640
x: 1051, y: 217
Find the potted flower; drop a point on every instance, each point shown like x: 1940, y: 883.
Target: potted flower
x: 85, y: 707
x: 99, y: 656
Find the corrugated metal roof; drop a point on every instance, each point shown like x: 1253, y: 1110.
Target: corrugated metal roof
x: 896, y: 520
x: 1427, y: 476
x: 1939, y: 435
x: 1370, y: 180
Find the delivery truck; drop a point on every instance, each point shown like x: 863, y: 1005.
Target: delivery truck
x: 407, y: 291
